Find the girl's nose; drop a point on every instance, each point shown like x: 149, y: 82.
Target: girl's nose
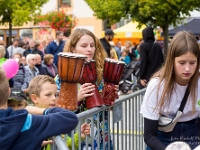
x: 89, y: 48
x: 187, y: 67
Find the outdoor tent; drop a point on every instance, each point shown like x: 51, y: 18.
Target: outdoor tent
x: 128, y: 32
x: 192, y: 26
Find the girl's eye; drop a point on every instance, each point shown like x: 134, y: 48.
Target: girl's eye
x: 48, y: 94
x: 20, y: 104
x: 56, y: 95
x: 182, y: 63
x: 192, y: 63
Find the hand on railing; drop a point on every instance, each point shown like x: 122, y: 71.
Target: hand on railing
x: 44, y: 143
x: 85, y: 130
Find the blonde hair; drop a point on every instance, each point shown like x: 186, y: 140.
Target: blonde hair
x: 126, y: 51
x: 129, y: 43
x: 4, y: 87
x: 2, y: 51
x: 29, y: 57
x: 2, y: 43
x: 199, y: 45
x: 181, y: 43
x: 47, y: 57
x: 99, y: 55
x: 35, y: 86
x: 19, y: 54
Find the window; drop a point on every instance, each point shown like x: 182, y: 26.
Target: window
x: 65, y: 2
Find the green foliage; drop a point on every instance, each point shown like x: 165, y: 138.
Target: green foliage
x: 17, y: 12
x: 112, y: 10
x: 161, y: 12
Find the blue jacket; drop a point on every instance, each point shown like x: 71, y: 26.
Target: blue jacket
x: 54, y: 49
x: 20, y: 130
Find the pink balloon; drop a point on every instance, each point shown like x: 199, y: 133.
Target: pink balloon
x: 11, y: 68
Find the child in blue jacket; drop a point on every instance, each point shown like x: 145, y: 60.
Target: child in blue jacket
x: 22, y: 130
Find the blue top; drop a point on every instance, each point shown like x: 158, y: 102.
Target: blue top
x: 126, y: 59
x: 54, y: 49
x: 20, y: 130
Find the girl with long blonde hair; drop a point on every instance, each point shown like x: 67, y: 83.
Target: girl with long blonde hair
x: 83, y: 41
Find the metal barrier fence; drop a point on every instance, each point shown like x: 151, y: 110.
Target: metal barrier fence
x: 125, y: 126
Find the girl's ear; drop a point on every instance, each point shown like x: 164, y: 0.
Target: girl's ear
x: 33, y: 98
x: 72, y: 49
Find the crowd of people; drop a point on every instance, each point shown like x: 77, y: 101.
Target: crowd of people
x: 37, y: 80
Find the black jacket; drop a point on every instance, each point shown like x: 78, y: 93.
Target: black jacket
x: 106, y: 46
x: 35, y: 51
x: 150, y: 59
x: 41, y: 69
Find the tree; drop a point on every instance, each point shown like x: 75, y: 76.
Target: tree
x: 18, y: 12
x: 162, y: 13
x: 110, y: 10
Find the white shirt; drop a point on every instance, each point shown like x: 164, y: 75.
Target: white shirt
x: 11, y: 50
x: 169, y: 109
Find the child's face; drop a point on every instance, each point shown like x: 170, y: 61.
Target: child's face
x: 86, y: 46
x: 185, y: 67
x: 48, y: 96
x: 17, y: 105
x: 123, y: 53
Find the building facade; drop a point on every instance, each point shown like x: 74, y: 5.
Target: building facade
x: 76, y: 8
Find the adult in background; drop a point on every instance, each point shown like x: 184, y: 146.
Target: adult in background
x: 31, y: 61
x: 32, y: 49
x: 39, y: 66
x: 21, y: 78
x: 49, y: 40
x: 151, y: 56
x: 131, y: 50
x: 50, y: 67
x: 21, y: 48
x: 56, y: 46
x: 2, y: 60
x: 3, y: 44
x: 23, y: 60
x: 117, y: 48
x: 109, y: 35
x: 11, y: 49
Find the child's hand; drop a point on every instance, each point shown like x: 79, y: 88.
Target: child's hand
x: 143, y: 82
x: 85, y: 130
x: 116, y: 89
x: 44, y: 143
x: 35, y: 110
x: 86, y: 90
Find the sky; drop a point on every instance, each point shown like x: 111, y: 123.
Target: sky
x: 195, y: 13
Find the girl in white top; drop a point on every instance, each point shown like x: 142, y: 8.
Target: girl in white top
x: 165, y: 92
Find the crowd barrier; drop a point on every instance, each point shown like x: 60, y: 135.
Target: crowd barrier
x: 124, y: 121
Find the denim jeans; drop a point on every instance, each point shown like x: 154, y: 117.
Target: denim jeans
x: 183, y: 131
